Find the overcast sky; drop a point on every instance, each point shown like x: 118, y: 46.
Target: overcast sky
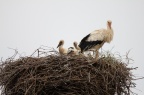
x: 25, y: 25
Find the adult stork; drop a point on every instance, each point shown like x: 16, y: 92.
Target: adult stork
x: 62, y: 50
x: 96, y: 39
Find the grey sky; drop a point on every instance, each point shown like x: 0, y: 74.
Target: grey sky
x: 25, y: 25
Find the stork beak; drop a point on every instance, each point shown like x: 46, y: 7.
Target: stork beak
x: 74, y: 44
x: 109, y: 24
x: 58, y: 45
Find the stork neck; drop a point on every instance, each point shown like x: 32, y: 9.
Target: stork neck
x: 77, y: 47
x: 61, y: 46
x: 108, y: 27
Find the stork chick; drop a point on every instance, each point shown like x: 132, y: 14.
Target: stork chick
x: 62, y: 50
x: 96, y: 39
x: 76, y: 46
x: 74, y: 50
x: 71, y: 51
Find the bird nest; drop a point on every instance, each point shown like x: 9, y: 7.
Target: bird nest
x: 57, y: 74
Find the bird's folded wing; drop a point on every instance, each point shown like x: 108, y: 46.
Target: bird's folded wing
x: 96, y: 35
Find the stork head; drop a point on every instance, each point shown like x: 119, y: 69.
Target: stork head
x: 61, y: 42
x: 75, y: 44
x: 109, y: 22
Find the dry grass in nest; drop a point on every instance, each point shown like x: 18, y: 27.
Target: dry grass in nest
x: 65, y: 75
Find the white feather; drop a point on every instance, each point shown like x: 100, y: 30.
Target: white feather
x: 97, y: 35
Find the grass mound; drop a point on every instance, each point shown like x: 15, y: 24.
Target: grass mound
x: 65, y: 75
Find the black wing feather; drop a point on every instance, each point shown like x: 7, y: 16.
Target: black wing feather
x: 85, y: 45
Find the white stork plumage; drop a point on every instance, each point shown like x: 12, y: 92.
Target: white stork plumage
x: 62, y: 50
x: 96, y: 39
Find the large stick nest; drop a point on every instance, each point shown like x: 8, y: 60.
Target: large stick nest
x: 65, y: 75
